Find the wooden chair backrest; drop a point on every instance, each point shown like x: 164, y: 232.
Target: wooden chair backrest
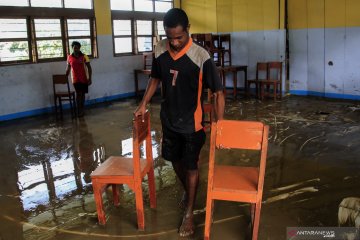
x: 261, y: 70
x: 275, y: 71
x: 250, y: 135
x: 225, y: 41
x: 60, y: 79
x: 141, y: 134
x: 148, y: 59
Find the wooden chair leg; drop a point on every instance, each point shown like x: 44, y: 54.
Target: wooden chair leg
x: 56, y: 107
x: 61, y: 109
x: 208, y: 217
x: 152, y: 188
x: 256, y: 221
x: 275, y: 91
x: 115, y: 191
x: 139, y: 206
x: 99, y: 203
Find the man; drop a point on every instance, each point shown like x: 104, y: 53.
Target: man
x: 184, y: 70
x: 81, y: 73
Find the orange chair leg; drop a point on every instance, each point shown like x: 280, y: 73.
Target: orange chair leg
x: 208, y: 217
x: 99, y: 203
x: 115, y: 191
x: 139, y: 206
x: 256, y: 221
x: 152, y: 188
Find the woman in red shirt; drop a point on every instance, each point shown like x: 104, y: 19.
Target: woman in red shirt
x: 81, y: 72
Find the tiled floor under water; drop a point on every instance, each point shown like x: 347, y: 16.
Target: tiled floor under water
x: 45, y: 187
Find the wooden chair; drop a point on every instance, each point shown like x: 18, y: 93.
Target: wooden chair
x: 274, y: 78
x: 235, y: 183
x: 225, y: 46
x: 261, y: 74
x: 61, y: 89
x: 131, y: 171
x: 146, y: 70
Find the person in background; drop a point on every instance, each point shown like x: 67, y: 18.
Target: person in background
x: 81, y: 72
x: 184, y: 69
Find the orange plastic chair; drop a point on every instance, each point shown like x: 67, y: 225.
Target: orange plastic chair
x: 130, y: 171
x: 261, y: 74
x: 235, y: 183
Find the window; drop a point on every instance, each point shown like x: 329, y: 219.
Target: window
x: 45, y: 3
x: 122, y: 36
x: 14, y: 45
x: 85, y: 4
x: 144, y: 35
x: 136, y: 23
x: 31, y: 39
x: 79, y: 30
x: 48, y: 38
x: 163, y: 5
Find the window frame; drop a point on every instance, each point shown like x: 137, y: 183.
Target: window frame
x: 134, y: 16
x: 31, y: 13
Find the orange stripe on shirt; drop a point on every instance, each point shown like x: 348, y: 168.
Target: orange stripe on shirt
x: 176, y: 56
x: 198, y: 112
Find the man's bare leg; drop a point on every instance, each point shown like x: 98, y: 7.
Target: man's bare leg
x: 181, y: 174
x: 192, y: 180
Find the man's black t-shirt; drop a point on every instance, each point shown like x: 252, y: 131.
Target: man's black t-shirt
x: 184, y: 76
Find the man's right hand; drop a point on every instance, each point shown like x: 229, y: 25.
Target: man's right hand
x: 140, y: 110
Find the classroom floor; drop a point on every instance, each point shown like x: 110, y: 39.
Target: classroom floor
x: 45, y: 187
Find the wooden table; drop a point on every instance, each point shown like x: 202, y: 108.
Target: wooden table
x: 234, y: 70
x: 136, y: 74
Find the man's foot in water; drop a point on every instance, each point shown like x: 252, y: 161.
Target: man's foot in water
x: 187, y: 226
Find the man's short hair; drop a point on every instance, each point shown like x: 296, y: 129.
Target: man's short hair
x: 176, y: 17
x: 75, y: 43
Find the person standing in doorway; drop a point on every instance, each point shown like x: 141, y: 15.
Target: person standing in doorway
x: 81, y: 72
x: 184, y: 69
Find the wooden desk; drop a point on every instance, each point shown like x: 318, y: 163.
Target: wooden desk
x: 136, y: 73
x: 234, y: 69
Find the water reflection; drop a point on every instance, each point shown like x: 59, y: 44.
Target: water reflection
x: 59, y: 166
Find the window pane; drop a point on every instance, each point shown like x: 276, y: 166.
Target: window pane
x: 121, y: 5
x: 16, y: 3
x: 143, y: 5
x: 144, y: 44
x: 85, y: 4
x: 162, y: 6
x: 50, y: 49
x: 123, y: 45
x: 78, y: 27
x: 143, y: 27
x: 122, y: 27
x: 85, y: 45
x: 14, y: 51
x: 13, y: 28
x: 46, y: 3
x: 47, y: 28
x: 160, y: 28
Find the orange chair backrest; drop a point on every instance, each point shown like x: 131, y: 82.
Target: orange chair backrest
x: 141, y: 133
x: 250, y: 135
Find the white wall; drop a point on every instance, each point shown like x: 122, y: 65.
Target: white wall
x: 26, y: 89
x: 311, y: 51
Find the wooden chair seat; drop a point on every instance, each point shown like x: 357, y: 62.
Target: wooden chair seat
x: 236, y: 183
x: 274, y: 79
x: 131, y: 171
x: 261, y: 74
x: 61, y: 95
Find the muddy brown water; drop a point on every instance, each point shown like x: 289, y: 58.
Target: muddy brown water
x: 45, y: 188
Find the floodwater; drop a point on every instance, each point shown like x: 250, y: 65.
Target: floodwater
x: 45, y: 186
